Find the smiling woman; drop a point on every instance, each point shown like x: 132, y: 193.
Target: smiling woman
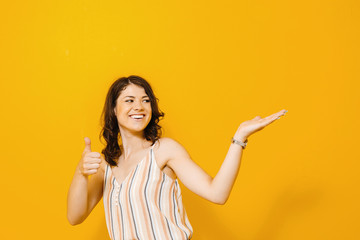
x: 138, y: 173
x: 126, y: 99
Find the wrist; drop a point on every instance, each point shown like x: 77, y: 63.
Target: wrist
x: 239, y: 137
x: 242, y: 144
x: 79, y: 172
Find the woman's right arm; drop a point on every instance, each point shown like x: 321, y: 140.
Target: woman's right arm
x: 85, y: 191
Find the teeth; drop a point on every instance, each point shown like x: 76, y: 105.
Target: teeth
x: 137, y: 116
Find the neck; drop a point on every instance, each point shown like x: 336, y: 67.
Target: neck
x: 132, y: 142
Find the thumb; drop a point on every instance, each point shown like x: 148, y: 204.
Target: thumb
x: 87, y: 145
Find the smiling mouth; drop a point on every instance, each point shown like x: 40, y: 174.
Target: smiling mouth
x: 137, y: 116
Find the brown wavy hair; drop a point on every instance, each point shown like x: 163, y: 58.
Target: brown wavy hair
x: 110, y: 128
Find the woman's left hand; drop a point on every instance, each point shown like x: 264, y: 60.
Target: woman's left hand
x: 256, y: 124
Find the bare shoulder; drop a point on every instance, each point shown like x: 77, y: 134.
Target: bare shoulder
x: 168, y: 142
x: 166, y: 151
x: 169, y: 147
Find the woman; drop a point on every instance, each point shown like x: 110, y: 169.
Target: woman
x: 138, y: 174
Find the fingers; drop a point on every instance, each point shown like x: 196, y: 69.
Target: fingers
x: 87, y: 145
x: 281, y: 113
x: 90, y: 165
x: 276, y: 115
x: 269, y: 119
x: 91, y: 158
x: 93, y: 154
x: 90, y: 161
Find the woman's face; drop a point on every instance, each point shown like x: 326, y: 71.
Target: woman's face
x: 133, y: 109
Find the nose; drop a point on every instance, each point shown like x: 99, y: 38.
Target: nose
x: 138, y: 105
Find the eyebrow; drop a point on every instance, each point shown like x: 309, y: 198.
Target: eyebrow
x: 134, y: 97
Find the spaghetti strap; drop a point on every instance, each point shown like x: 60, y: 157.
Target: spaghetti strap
x: 154, y: 144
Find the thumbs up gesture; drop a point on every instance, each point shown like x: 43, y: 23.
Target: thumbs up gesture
x: 90, y: 161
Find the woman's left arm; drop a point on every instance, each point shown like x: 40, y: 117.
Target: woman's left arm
x: 216, y: 189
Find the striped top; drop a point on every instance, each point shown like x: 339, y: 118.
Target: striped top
x: 146, y: 205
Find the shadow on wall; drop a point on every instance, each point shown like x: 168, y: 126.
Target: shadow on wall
x: 290, y: 204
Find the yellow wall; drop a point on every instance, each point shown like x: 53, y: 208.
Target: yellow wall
x: 213, y: 65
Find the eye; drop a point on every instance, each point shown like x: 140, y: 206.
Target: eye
x: 146, y: 100
x: 129, y: 100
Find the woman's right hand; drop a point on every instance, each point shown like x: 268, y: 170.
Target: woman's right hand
x: 84, y: 193
x: 90, y: 161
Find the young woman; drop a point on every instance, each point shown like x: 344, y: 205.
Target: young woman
x: 137, y: 176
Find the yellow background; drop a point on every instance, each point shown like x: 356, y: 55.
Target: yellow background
x: 213, y: 65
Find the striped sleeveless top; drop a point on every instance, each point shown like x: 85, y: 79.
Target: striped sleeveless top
x: 146, y: 205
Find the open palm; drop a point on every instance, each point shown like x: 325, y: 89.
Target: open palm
x: 257, y: 123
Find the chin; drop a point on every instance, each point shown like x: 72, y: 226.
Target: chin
x: 136, y: 130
